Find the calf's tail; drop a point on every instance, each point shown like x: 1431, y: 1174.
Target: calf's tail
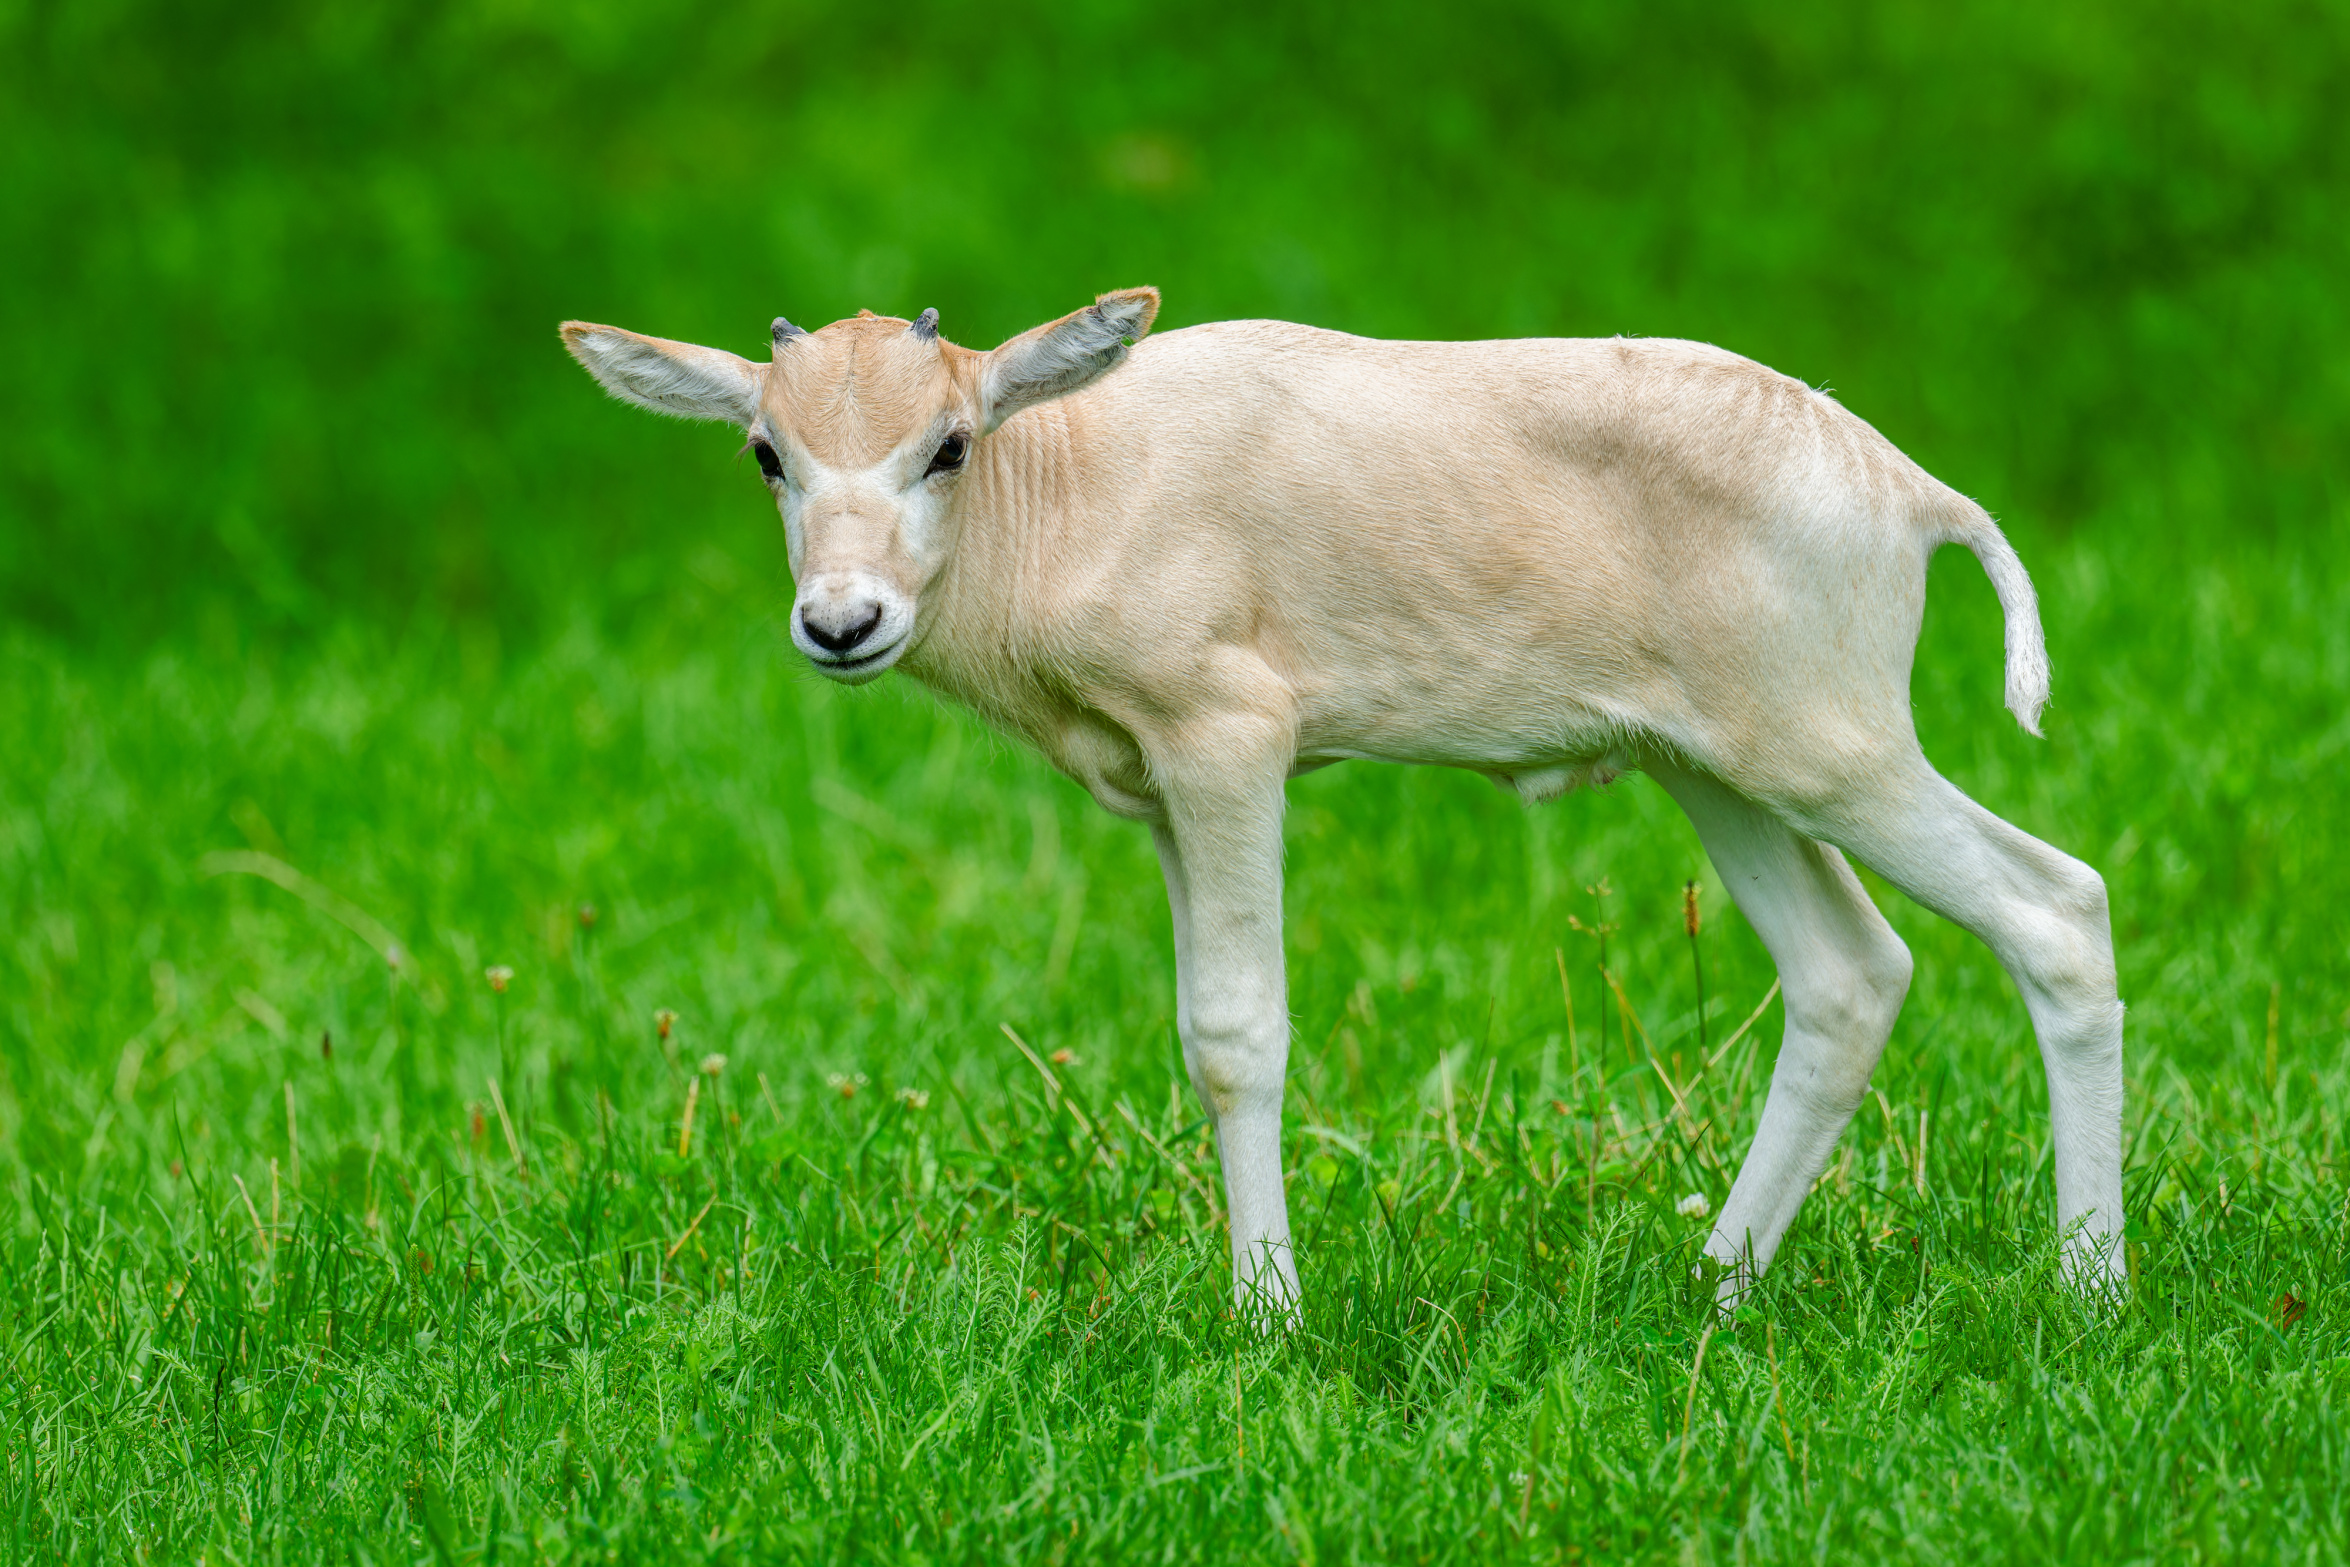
x: 1963, y: 522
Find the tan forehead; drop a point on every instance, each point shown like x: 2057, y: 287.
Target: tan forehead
x: 854, y: 391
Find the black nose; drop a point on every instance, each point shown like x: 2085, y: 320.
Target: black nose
x: 850, y: 625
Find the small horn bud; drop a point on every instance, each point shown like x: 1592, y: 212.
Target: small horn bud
x: 925, y: 325
x: 783, y: 331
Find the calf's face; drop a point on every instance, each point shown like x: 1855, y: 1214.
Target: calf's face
x: 864, y: 432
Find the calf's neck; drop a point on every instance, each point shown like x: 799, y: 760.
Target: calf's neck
x: 1188, y: 567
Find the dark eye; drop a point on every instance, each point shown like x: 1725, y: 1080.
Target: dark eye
x: 948, y: 457
x: 769, y: 464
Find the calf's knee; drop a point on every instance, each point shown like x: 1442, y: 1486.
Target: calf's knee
x: 1236, y: 1062
x: 2063, y: 944
x: 1837, y: 1020
x: 1856, y: 999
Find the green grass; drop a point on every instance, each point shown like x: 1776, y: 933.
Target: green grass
x: 962, y: 1314
x: 318, y: 561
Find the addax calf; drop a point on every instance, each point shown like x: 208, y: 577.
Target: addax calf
x: 1189, y: 570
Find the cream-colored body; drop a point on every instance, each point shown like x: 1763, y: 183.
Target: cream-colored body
x: 1251, y: 548
x: 1532, y: 558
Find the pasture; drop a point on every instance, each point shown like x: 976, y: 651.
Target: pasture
x: 821, y: 1183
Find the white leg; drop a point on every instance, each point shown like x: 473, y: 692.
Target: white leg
x: 2043, y: 915
x: 1842, y: 974
x: 1179, y: 912
x: 1220, y: 847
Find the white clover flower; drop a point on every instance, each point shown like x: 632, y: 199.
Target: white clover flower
x: 1693, y: 1206
x: 499, y: 976
x: 713, y: 1064
x: 914, y: 1098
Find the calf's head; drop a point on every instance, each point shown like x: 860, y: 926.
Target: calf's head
x: 864, y: 432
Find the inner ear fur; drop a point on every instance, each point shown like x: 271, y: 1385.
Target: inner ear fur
x: 1057, y: 358
x: 684, y: 379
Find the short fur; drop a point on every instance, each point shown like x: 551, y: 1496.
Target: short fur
x: 1188, y: 570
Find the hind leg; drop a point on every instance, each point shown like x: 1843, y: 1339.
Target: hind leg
x: 1843, y: 974
x: 2043, y: 915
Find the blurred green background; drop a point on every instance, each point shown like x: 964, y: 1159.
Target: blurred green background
x: 283, y: 279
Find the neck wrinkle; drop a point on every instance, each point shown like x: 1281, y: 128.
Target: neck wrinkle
x: 985, y: 640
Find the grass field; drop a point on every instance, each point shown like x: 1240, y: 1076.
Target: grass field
x: 342, y: 616
x: 908, y: 1295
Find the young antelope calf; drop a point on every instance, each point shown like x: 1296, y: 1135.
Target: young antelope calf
x: 1190, y: 570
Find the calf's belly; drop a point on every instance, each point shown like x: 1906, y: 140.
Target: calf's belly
x: 1548, y: 723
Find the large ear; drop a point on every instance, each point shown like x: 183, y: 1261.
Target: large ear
x: 670, y: 378
x: 1057, y: 358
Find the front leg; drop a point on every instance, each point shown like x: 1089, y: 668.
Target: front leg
x: 1220, y: 846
